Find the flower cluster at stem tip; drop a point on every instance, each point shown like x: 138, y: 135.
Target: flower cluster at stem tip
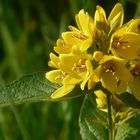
x: 101, y: 49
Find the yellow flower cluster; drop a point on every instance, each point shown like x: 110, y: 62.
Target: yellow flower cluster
x: 99, y: 50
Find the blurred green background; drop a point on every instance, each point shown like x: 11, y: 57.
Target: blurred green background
x: 28, y: 31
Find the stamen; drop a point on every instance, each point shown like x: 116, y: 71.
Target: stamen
x: 109, y: 67
x: 80, y: 36
x: 117, y: 43
x: 80, y: 66
x: 60, y: 76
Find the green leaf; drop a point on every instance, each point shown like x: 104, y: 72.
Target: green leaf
x: 94, y: 125
x: 29, y: 88
x: 129, y: 130
x: 32, y: 88
x: 92, y: 121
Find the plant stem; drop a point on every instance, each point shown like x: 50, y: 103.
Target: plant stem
x: 110, y: 114
x: 110, y: 120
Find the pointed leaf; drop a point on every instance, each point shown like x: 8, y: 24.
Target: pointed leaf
x: 32, y: 88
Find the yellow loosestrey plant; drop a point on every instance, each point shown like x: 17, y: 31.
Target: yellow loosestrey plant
x: 100, y: 49
x: 101, y: 52
x: 97, y: 60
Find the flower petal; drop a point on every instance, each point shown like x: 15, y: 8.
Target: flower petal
x: 71, y: 80
x: 84, y: 22
x: 61, y: 47
x: 100, y: 15
x: 135, y: 88
x: 72, y: 38
x: 129, y: 46
x: 54, y: 62
x: 121, y: 87
x: 62, y: 91
x: 116, y: 16
x: 122, y: 73
x: 97, y: 73
x: 101, y: 100
x: 55, y: 76
x: 109, y: 81
x: 134, y: 26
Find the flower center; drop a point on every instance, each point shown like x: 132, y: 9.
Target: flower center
x: 109, y: 67
x: 136, y: 72
x: 117, y: 43
x: 60, y: 76
x: 79, y: 66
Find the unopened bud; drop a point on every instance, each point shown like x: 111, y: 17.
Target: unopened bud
x: 98, y: 55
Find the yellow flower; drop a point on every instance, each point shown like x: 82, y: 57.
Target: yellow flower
x: 131, y: 26
x: 55, y: 76
x: 72, y: 64
x: 102, y: 25
x: 135, y: 84
x: 112, y: 74
x: 105, y: 26
x: 54, y: 62
x: 78, y: 67
x: 97, y: 50
x: 84, y: 35
x: 85, y: 23
x: 101, y: 100
x: 116, y: 17
x: 125, y: 41
x: 61, y: 47
x: 97, y: 55
x: 114, y: 20
x: 58, y: 76
x: 88, y: 77
x: 73, y: 68
x: 100, y: 18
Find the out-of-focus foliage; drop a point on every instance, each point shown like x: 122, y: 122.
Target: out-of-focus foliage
x: 28, y: 31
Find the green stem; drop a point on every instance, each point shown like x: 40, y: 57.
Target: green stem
x: 110, y: 120
x: 110, y: 115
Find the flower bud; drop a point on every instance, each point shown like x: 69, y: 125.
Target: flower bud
x: 98, y: 55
